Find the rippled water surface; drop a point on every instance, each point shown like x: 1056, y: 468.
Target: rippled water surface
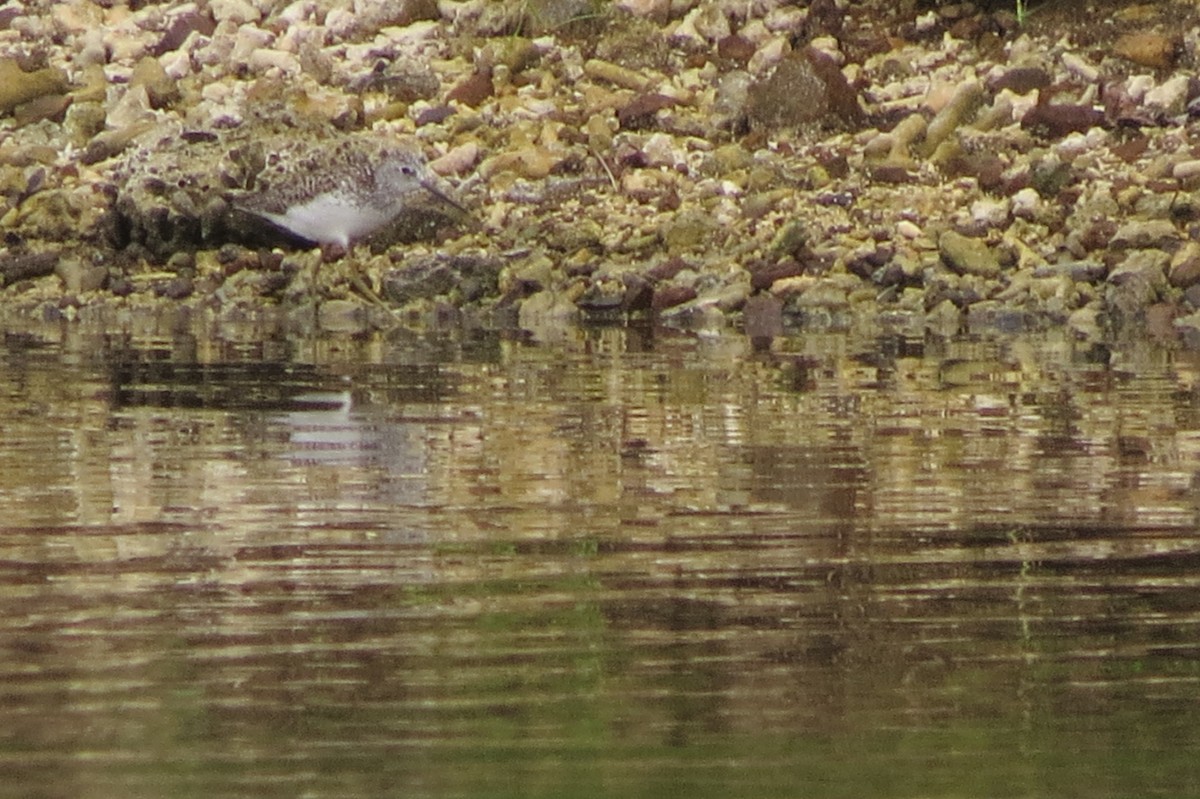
x: 623, y: 563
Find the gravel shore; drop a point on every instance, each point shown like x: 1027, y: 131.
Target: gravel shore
x: 763, y: 161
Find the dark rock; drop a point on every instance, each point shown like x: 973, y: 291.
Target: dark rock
x: 180, y: 28
x: 1056, y: 121
x: 735, y: 48
x: 1185, y: 267
x: 665, y: 270
x: 804, y: 88
x: 764, y: 275
x: 434, y: 115
x: 473, y: 90
x: 24, y: 266
x: 1021, y: 80
x: 670, y: 295
x: 891, y: 173
x: 640, y: 112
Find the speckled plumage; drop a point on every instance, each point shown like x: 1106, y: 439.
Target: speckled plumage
x: 339, y: 192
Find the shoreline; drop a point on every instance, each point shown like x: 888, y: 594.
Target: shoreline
x: 698, y: 162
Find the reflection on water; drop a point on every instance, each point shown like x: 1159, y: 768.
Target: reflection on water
x: 633, y: 563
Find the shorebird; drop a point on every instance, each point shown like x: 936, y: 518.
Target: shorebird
x: 341, y: 192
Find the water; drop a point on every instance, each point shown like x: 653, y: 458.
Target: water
x: 624, y: 563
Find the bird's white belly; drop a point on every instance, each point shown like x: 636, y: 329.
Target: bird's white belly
x: 331, y: 219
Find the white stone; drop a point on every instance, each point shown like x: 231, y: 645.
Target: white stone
x: 1171, y: 95
x: 263, y: 59
x: 990, y: 212
x: 236, y: 11
x: 1026, y: 203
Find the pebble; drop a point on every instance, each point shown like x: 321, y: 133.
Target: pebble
x: 968, y: 256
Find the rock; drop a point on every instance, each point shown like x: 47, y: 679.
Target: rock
x: 161, y: 90
x: 465, y: 278
x: 18, y: 86
x: 968, y: 256
x: 1056, y: 121
x: 1021, y: 80
x: 1171, y: 96
x: 1142, y: 234
x: 473, y: 90
x: 1137, y: 282
x: 1184, y: 269
x: 670, y: 295
x: 23, y: 266
x: 967, y: 99
x: 618, y: 75
x: 802, y: 89
x: 1149, y: 49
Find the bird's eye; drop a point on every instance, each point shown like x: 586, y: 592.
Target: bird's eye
x: 408, y: 170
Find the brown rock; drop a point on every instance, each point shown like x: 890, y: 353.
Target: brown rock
x: 1148, y: 49
x: 1056, y: 121
x: 670, y: 295
x: 1185, y: 267
x: 26, y: 265
x: 18, y: 86
x: 473, y: 90
x: 1021, y: 80
x: 804, y: 88
x: 640, y: 112
x: 51, y: 107
x: 665, y: 270
x: 763, y: 276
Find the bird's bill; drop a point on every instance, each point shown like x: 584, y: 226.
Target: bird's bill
x: 443, y: 197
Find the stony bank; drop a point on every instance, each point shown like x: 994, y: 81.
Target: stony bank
x: 768, y: 161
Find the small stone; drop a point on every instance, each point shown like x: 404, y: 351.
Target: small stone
x: 1080, y: 68
x: 1026, y: 203
x: 1057, y: 121
x: 1185, y: 266
x: 1171, y: 96
x: 1142, y: 234
x: 161, y: 90
x: 618, y: 75
x: 1186, y: 170
x: 968, y: 256
x: 1136, y: 282
x: 669, y: 295
x: 473, y: 90
x: 1021, y: 80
